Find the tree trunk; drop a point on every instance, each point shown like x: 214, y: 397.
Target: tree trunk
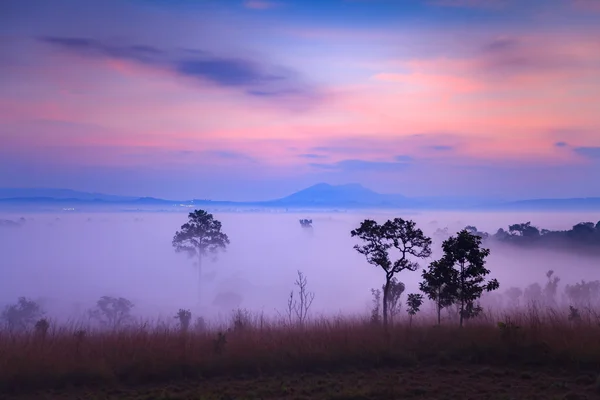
x: 439, y: 307
x: 199, y: 277
x: 386, y: 290
x: 462, y: 292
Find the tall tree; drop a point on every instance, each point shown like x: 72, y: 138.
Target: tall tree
x: 464, y: 252
x: 437, y: 284
x: 199, y: 237
x: 398, y: 234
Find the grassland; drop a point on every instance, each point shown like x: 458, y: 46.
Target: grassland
x: 536, y: 354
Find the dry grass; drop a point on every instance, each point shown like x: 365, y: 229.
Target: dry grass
x: 141, y: 355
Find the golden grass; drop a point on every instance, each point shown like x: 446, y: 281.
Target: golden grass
x: 154, y: 354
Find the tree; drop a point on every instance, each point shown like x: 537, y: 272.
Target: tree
x: 399, y: 234
x: 184, y: 317
x: 524, y: 230
x: 514, y: 294
x: 551, y: 288
x: 533, y: 294
x: 300, y: 307
x: 413, y: 303
x: 113, y: 312
x: 394, y: 297
x: 22, y: 315
x: 464, y: 252
x: 437, y: 284
x: 199, y: 237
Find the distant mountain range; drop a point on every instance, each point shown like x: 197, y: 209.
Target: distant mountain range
x: 322, y: 195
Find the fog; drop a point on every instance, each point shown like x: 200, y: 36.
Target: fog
x: 68, y: 260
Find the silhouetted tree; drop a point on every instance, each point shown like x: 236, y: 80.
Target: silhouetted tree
x: 524, y: 229
x: 437, y: 284
x: 413, y: 304
x: 22, y: 315
x: 306, y: 223
x: 464, y: 252
x: 301, y: 306
x: 113, y: 312
x: 474, y: 231
x: 200, y: 236
x: 394, y: 297
x: 184, y: 317
x: 376, y: 310
x: 402, y: 235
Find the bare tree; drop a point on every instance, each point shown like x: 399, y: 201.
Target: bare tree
x: 300, y: 308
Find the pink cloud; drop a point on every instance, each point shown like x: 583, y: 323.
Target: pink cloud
x: 586, y: 5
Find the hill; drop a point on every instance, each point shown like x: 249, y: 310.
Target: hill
x: 321, y: 195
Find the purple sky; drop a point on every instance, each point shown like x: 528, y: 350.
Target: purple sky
x: 249, y: 100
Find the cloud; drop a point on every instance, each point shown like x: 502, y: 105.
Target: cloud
x: 256, y: 78
x: 362, y: 166
x: 403, y: 158
x: 586, y: 5
x: 588, y: 152
x: 229, y: 155
x: 561, y: 144
x: 441, y: 147
x: 482, y: 4
x: 312, y: 156
x: 500, y: 44
x: 260, y: 4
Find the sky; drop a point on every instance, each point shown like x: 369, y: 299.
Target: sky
x: 253, y: 100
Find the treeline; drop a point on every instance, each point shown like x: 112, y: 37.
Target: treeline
x: 581, y: 236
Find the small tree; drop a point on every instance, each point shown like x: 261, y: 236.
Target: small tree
x: 200, y: 236
x: 402, y: 235
x: 376, y: 310
x: 533, y: 294
x: 437, y: 284
x: 464, y: 252
x: 300, y: 307
x: 514, y: 294
x: 184, y: 317
x: 113, y: 312
x: 41, y: 327
x: 551, y: 288
x: 394, y: 298
x: 22, y: 315
x: 413, y: 304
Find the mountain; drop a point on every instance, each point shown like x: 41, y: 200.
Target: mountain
x: 22, y: 193
x: 321, y: 195
x: 353, y: 194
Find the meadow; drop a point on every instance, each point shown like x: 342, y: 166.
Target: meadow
x: 532, y: 351
x: 538, y: 341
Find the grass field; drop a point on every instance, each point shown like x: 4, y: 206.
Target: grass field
x: 536, y: 354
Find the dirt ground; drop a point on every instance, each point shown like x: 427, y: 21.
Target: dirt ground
x: 461, y: 383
